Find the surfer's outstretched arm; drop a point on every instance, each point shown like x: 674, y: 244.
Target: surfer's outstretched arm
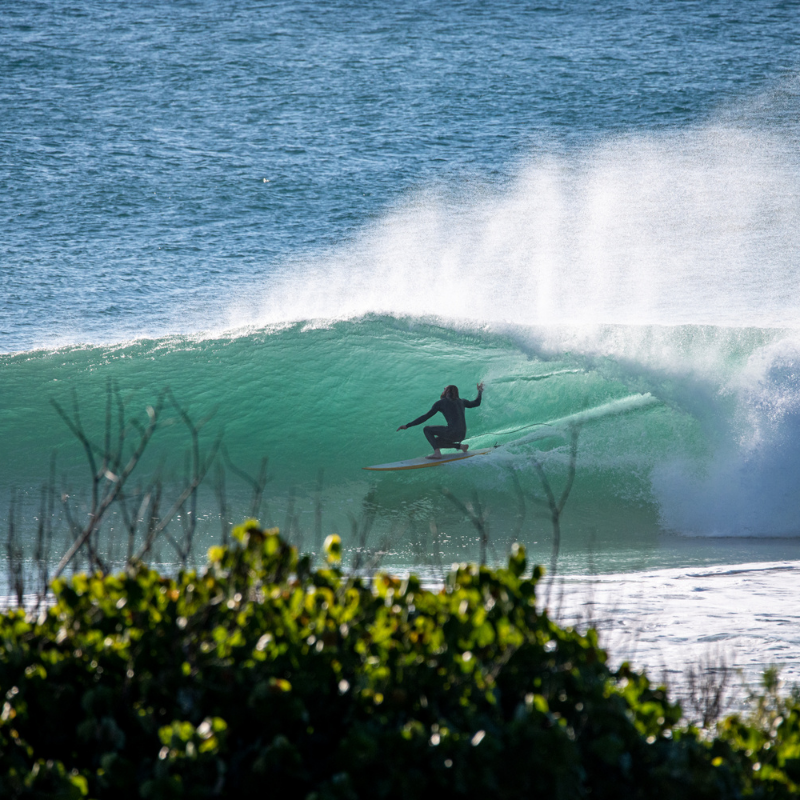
x: 477, y: 401
x: 434, y: 408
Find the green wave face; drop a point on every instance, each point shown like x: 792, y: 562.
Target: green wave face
x: 324, y: 401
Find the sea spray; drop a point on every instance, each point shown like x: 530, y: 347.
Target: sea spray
x: 690, y: 227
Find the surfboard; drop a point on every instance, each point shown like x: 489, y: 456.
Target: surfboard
x: 421, y: 463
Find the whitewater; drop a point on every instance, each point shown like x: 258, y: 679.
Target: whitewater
x: 306, y: 222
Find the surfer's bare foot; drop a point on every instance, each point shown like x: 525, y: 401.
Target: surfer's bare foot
x: 464, y: 448
x: 435, y: 455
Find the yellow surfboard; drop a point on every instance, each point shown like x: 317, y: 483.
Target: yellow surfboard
x: 421, y: 463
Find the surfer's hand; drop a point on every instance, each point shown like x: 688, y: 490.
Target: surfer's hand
x: 402, y: 427
x: 480, y: 386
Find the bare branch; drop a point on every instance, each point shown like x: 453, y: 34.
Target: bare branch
x: 318, y: 513
x: 16, y: 577
x: 517, y: 534
x: 160, y: 526
x: 575, y: 431
x: 98, y: 512
x: 707, y: 684
x: 478, y: 519
x: 556, y: 508
x: 362, y: 528
x: 222, y: 499
x: 257, y: 484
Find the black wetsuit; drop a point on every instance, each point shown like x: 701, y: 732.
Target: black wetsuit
x: 448, y: 436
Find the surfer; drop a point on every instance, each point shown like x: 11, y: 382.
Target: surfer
x: 447, y: 436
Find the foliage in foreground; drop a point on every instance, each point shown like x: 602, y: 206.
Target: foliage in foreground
x: 260, y: 676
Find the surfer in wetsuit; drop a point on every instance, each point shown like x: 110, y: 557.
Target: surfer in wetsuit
x: 447, y: 436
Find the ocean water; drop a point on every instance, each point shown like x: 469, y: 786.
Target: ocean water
x: 305, y: 219
x: 739, y: 619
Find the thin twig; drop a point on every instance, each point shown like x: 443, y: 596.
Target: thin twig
x: 116, y: 481
x: 474, y: 512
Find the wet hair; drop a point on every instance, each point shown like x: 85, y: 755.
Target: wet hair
x: 451, y: 392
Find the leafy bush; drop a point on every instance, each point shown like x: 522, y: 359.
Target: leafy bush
x: 261, y: 676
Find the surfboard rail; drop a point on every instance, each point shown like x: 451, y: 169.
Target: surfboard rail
x: 423, y: 462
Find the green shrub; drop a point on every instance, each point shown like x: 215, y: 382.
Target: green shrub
x: 261, y: 677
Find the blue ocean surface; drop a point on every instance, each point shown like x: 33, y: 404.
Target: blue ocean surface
x: 306, y: 218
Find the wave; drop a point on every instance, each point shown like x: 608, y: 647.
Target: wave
x: 646, y: 287
x: 689, y: 429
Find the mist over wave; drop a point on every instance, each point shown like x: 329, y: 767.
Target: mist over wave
x: 696, y: 227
